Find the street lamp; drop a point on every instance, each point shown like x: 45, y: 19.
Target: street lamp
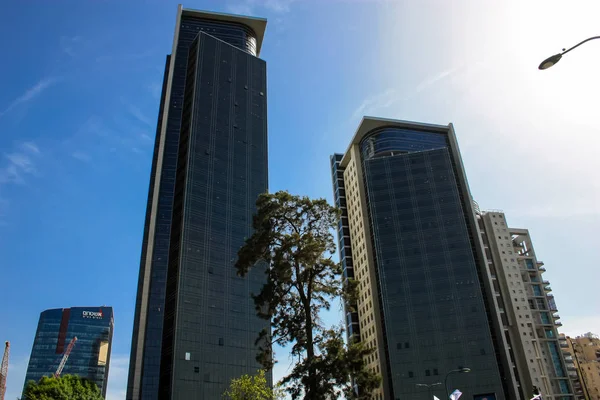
x: 428, y: 386
x: 550, y: 61
x: 454, y: 371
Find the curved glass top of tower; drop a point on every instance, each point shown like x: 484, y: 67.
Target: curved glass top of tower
x: 234, y: 33
x: 390, y: 140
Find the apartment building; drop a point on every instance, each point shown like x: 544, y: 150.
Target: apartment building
x: 583, y: 352
x: 527, y: 308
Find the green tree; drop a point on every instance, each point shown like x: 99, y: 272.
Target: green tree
x: 251, y: 387
x: 293, y: 237
x: 66, y: 387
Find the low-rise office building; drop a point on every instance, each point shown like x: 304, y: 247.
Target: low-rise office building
x: 90, y: 355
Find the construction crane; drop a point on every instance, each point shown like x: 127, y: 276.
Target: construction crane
x: 4, y: 370
x: 65, y: 356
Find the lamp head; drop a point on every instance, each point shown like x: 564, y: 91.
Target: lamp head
x: 550, y: 61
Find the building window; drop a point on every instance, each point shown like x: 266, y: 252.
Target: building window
x: 427, y: 373
x: 221, y: 341
x: 410, y: 374
x: 188, y: 356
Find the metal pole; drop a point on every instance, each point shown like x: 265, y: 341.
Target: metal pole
x: 446, y: 384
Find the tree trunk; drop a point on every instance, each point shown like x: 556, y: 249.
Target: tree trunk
x: 312, y: 387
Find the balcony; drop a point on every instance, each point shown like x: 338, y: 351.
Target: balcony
x: 556, y: 316
x: 546, y: 282
x: 542, y: 268
x: 548, y: 288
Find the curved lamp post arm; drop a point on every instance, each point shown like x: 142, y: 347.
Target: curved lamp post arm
x: 550, y: 61
x: 454, y: 371
x: 446, y: 384
x: 580, y: 43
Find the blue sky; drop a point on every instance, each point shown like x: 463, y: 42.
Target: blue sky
x: 80, y: 84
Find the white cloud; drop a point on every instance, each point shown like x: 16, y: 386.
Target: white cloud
x: 155, y: 89
x: 19, y: 163
x: 278, y: 6
x: 30, y: 146
x: 252, y: 7
x: 68, y: 44
x: 374, y: 104
x: 30, y: 94
x: 81, y: 156
x: 138, y: 114
x: 430, y: 81
x: 117, y: 377
x: 377, y: 103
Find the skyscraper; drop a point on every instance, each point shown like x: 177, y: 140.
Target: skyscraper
x: 528, y: 311
x: 195, y: 323
x: 409, y: 236
x: 90, y: 356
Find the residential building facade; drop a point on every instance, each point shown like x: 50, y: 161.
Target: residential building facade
x: 528, y: 311
x: 90, y: 355
x: 409, y: 236
x: 583, y: 352
x: 195, y: 323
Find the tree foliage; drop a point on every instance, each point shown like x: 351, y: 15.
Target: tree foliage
x: 66, y: 387
x: 293, y: 236
x: 249, y: 387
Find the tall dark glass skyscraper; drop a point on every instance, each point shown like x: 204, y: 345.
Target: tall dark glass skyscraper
x: 195, y: 322
x: 409, y: 236
x: 90, y: 356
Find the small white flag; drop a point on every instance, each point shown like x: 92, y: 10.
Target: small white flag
x: 537, y: 397
x: 435, y: 398
x: 455, y: 395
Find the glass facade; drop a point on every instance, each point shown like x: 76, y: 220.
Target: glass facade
x: 339, y: 196
x: 90, y: 356
x: 201, y: 324
x: 433, y: 311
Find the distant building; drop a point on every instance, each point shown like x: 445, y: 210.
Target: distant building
x: 584, y: 352
x: 576, y: 379
x: 90, y: 357
x: 408, y: 235
x: 527, y: 308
